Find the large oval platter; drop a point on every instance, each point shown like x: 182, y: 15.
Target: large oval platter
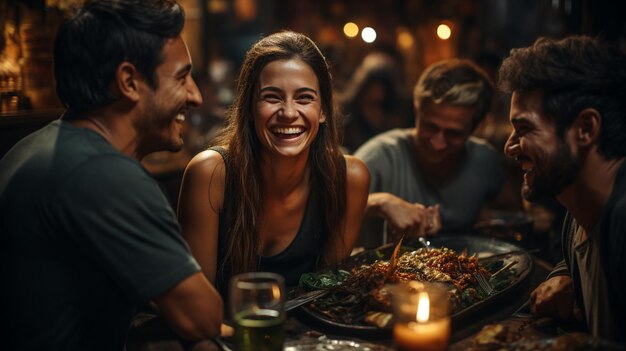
x: 482, y: 247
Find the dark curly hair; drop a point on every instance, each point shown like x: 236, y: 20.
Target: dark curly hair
x: 574, y: 73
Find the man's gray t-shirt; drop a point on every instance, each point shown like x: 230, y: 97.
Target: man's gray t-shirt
x: 393, y: 169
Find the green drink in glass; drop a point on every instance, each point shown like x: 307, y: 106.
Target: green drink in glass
x: 262, y: 330
x: 257, y: 305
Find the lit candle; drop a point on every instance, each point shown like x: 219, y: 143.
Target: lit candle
x: 421, y: 330
x: 427, y: 336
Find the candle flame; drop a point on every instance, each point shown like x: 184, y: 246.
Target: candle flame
x: 423, y: 307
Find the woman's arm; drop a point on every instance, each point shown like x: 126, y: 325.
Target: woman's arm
x: 199, y: 204
x: 358, y: 182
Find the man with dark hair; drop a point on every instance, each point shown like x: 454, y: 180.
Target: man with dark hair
x: 86, y: 233
x: 435, y: 175
x: 568, y: 112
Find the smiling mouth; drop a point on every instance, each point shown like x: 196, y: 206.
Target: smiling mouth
x: 288, y: 133
x: 528, y: 175
x: 527, y: 167
x: 180, y: 117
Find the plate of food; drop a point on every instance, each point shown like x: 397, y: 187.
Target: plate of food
x: 358, y: 298
x: 324, y: 343
x: 500, y: 337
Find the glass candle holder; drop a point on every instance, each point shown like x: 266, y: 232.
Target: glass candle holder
x: 422, y: 317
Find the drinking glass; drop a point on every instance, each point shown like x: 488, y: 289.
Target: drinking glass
x: 422, y: 319
x: 257, y: 302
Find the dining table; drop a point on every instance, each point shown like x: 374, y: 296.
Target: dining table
x: 148, y: 332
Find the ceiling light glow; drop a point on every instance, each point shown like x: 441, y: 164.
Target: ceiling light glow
x: 368, y: 34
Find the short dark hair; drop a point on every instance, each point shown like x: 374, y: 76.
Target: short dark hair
x: 456, y: 82
x: 574, y: 73
x: 104, y: 33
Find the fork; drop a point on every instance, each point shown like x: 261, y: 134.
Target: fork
x: 483, y: 283
x: 222, y: 345
x: 304, y: 298
x: 424, y: 242
x: 519, y: 313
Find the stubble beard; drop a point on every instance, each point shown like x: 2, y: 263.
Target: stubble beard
x: 158, y: 130
x: 549, y: 181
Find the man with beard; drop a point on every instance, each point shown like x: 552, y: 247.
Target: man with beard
x: 87, y: 235
x: 568, y: 112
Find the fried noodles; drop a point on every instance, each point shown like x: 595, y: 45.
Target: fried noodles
x: 365, y: 290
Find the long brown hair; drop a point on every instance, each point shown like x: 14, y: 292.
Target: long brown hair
x: 243, y: 204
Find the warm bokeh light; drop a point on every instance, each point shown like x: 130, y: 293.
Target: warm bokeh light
x: 246, y: 10
x: 351, y: 30
x: 368, y: 34
x: 444, y: 31
x: 405, y: 39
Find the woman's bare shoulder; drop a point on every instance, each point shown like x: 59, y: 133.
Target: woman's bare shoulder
x: 356, y: 170
x: 207, y: 163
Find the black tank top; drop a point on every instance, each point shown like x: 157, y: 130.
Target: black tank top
x: 301, y: 256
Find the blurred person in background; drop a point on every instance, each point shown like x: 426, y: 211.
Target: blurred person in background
x: 87, y: 235
x: 373, y: 101
x: 275, y: 193
x: 568, y: 112
x: 435, y: 176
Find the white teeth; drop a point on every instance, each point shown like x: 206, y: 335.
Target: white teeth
x: 287, y: 130
x: 180, y: 117
x: 526, y: 165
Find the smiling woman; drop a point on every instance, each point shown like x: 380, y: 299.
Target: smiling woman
x: 275, y: 193
x: 287, y: 110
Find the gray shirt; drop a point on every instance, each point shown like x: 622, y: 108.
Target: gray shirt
x: 393, y: 169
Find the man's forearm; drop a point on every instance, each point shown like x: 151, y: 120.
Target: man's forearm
x: 376, y: 203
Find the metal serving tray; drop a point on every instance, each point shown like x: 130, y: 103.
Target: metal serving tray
x: 481, y: 246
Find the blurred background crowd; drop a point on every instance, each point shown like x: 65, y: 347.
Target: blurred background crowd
x: 377, y: 50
